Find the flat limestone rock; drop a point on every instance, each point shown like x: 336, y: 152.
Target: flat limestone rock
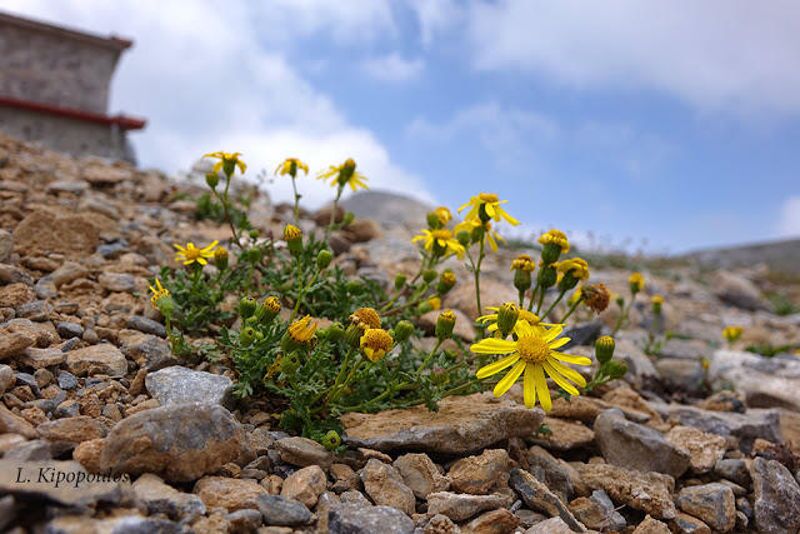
x: 462, y: 424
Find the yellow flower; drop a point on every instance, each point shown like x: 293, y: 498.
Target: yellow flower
x: 375, y: 343
x: 486, y: 206
x: 524, y: 315
x: 490, y: 235
x: 158, y: 292
x: 290, y: 166
x: 435, y: 302
x: 292, y: 233
x: 533, y: 354
x: 443, y: 214
x: 523, y: 262
x: 576, y: 296
x: 272, y: 305
x: 555, y: 237
x: 366, y: 318
x: 191, y: 253
x: 227, y: 161
x: 636, y: 282
x: 302, y: 330
x: 657, y: 299
x: 576, y: 266
x: 441, y: 242
x: 732, y: 333
x: 345, y: 174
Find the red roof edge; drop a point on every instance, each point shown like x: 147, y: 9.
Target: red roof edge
x: 123, y: 121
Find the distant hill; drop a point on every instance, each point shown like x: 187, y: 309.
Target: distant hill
x: 779, y: 256
x: 388, y: 208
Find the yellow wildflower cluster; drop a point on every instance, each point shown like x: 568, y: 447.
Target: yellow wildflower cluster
x: 191, y: 254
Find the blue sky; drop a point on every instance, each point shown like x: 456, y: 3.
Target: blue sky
x: 675, y: 123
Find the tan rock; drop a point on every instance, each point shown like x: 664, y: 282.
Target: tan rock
x: 103, y: 359
x: 229, y: 493
x: 478, y: 475
x: 420, y: 474
x: 11, y: 423
x: 305, y: 485
x: 500, y: 521
x: 42, y: 233
x: 564, y: 435
x: 88, y: 454
x: 14, y: 344
x: 651, y: 525
x: 459, y: 507
x: 385, y: 486
x: 14, y: 295
x: 73, y: 430
x: 705, y: 449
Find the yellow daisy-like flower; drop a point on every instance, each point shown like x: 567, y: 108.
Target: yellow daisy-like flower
x: 441, y: 242
x: 366, y: 318
x: 291, y: 233
x: 524, y: 315
x: 523, y: 262
x: 191, y: 254
x: 344, y: 174
x: 435, y: 302
x: 290, y: 166
x: 657, y: 299
x: 302, y: 330
x: 375, y: 343
x: 487, y: 206
x: 158, y: 292
x: 577, y: 266
x: 491, y: 236
x: 555, y: 237
x: 533, y: 354
x: 227, y: 161
x: 732, y: 333
x: 272, y: 304
x: 443, y: 214
x: 636, y: 281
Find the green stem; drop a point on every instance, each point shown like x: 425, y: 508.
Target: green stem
x: 533, y: 296
x: 428, y: 358
x: 329, y: 229
x: 478, y: 276
x: 225, y: 199
x: 541, y: 300
x: 296, y: 200
x: 571, y: 310
x: 302, y: 295
x: 553, y: 305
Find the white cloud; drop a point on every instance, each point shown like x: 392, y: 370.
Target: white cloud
x: 789, y: 224
x: 204, y: 79
x: 717, y: 54
x: 393, y: 68
x: 436, y: 16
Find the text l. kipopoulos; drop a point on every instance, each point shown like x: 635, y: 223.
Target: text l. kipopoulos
x: 59, y: 477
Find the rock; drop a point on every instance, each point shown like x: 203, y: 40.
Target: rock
x: 554, y: 525
x: 69, y: 330
x: 244, y: 520
x: 11, y: 423
x: 460, y: 507
x: 462, y: 424
x: 493, y: 293
x: 123, y: 524
x: 72, y: 430
x: 556, y: 474
x: 159, y: 498
x: 104, y: 359
x: 7, y: 378
x: 303, y: 451
x: 16, y: 295
x: 179, y: 442
x: 440, y: 524
x: 756, y: 423
x: 648, y: 492
x: 385, y: 486
x: 679, y: 374
x: 704, y: 449
x: 148, y: 351
x: 355, y: 519
x: 229, y: 493
x: 765, y: 382
x: 713, y: 503
x: 478, y: 475
x: 118, y: 282
x: 636, y: 446
x: 640, y: 367
x: 13, y: 344
x: 776, y: 504
x: 597, y: 512
x: 687, y: 524
x: 735, y: 470
x: 651, y: 525
x: 499, y: 521
x: 42, y: 233
x: 179, y: 385
x: 538, y: 497
x: 278, y: 510
x: 6, y: 245
x: 420, y: 474
x: 88, y: 454
x: 148, y: 326
x: 564, y: 435
x: 738, y: 291
x: 68, y: 272
x: 305, y: 485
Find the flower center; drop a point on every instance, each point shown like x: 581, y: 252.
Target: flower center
x: 192, y: 253
x: 533, y: 348
x: 442, y: 234
x: 488, y: 197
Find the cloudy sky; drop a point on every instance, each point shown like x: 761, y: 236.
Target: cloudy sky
x: 675, y: 122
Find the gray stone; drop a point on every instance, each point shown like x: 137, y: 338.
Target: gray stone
x: 385, y: 486
x: 776, y: 505
x: 148, y: 326
x: 69, y: 330
x: 420, y: 474
x: 160, y: 498
x: 281, y: 511
x: 149, y: 351
x: 735, y: 470
x: 462, y: 506
x: 764, y: 382
x: 554, y: 525
x: 355, y: 519
x: 713, y: 503
x: 102, y: 359
x: 538, y: 497
x: 6, y: 245
x: 303, y: 451
x: 179, y: 385
x: 118, y: 282
x: 679, y: 374
x: 7, y: 378
x: 636, y: 446
x: 755, y: 423
x: 738, y: 291
x: 67, y: 380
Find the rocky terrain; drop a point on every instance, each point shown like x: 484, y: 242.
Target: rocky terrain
x: 104, y: 430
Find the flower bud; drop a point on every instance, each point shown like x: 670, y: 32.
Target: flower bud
x: 271, y: 308
x: 331, y: 440
x: 434, y: 222
x: 464, y: 238
x: 294, y: 239
x: 247, y: 307
x: 445, y: 324
x: 247, y: 335
x: 614, y: 369
x: 333, y: 333
x: 403, y: 330
x: 399, y: 281
x: 620, y: 300
x: 657, y: 301
x: 352, y: 335
x: 324, y: 258
x: 636, y: 282
x: 212, y: 179
x: 429, y: 275
x: 253, y: 233
x: 604, y: 349
x: 547, y: 276
x: 355, y: 287
x: 507, y: 316
x: 290, y: 363
x: 221, y: 258
x: 165, y: 305
x: 554, y: 243
x: 522, y: 280
x: 446, y: 282
x: 348, y: 219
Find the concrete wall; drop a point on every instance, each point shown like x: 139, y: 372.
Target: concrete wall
x: 66, y: 135
x: 54, y: 69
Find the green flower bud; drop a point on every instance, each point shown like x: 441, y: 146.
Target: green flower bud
x: 348, y: 219
x: 212, y: 179
x: 445, y: 324
x: 331, y: 440
x: 270, y: 308
x: 429, y: 275
x: 424, y: 307
x: 464, y: 238
x: 290, y: 363
x: 333, y: 333
x: 253, y: 233
x: 166, y: 306
x: 551, y: 253
x: 507, y: 317
x: 522, y: 280
x: 604, y: 349
x: 434, y: 222
x: 620, y: 300
x: 400, y: 281
x: 352, y: 336
x: 568, y: 281
x: 247, y: 307
x: 547, y: 276
x: 403, y: 330
x: 614, y: 369
x: 447, y: 280
x: 324, y: 258
x: 355, y: 287
x: 247, y: 335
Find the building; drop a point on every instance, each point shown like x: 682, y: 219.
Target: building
x: 54, y: 88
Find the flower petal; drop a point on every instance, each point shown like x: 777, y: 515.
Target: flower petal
x: 554, y: 332
x: 496, y: 367
x: 571, y: 358
x: 557, y: 343
x: 529, y: 387
x: 493, y: 346
x: 508, y: 380
x: 568, y: 372
x: 560, y: 380
x: 541, y: 388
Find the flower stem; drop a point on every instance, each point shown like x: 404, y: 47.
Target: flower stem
x: 553, y: 305
x: 296, y: 201
x: 478, y: 276
x: 428, y: 358
x: 302, y: 295
x: 329, y: 229
x: 571, y: 309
